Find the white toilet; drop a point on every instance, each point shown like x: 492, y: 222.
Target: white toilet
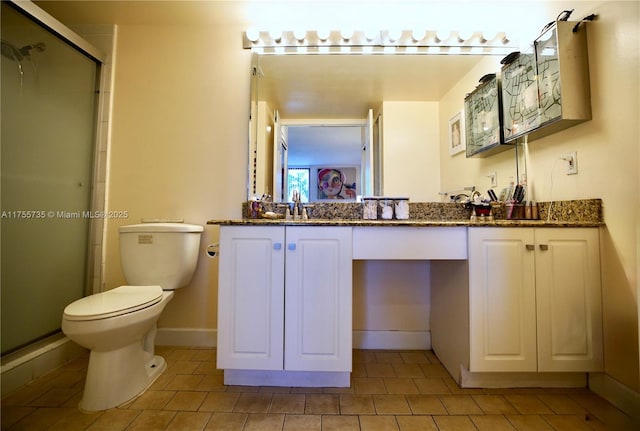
x: 119, y: 325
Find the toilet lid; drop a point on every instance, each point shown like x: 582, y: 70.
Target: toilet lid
x: 115, y: 302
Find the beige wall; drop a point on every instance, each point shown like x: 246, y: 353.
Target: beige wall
x: 179, y: 149
x: 410, y: 161
x: 179, y: 143
x: 391, y: 296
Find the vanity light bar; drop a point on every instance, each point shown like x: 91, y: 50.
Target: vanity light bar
x: 335, y: 41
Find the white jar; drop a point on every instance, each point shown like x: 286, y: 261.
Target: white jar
x: 402, y: 208
x: 387, y: 208
x: 370, y: 208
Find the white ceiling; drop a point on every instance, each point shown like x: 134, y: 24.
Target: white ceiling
x: 325, y: 145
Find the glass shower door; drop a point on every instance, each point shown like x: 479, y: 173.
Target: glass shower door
x: 47, y: 141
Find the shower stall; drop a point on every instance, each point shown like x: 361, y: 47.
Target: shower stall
x: 48, y: 125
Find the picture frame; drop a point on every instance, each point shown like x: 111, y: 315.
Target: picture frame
x: 336, y: 182
x: 456, y: 134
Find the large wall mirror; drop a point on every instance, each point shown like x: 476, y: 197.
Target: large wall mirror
x: 316, y: 112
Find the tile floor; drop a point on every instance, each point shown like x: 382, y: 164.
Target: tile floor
x: 391, y: 390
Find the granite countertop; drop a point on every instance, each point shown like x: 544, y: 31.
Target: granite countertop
x: 412, y: 223
x: 575, y: 213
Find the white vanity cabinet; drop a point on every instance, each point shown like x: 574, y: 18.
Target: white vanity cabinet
x: 251, y: 298
x: 534, y: 300
x: 285, y: 299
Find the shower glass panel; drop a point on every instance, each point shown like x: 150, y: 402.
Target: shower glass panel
x: 48, y: 111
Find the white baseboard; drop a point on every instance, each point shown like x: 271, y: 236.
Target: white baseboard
x: 616, y: 393
x: 521, y: 380
x: 405, y: 340
x: 400, y: 340
x: 193, y: 337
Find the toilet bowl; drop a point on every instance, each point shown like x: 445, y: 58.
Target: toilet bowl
x: 119, y: 326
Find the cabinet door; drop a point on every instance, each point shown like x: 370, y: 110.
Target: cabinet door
x: 569, y: 299
x: 318, y: 299
x: 483, y: 114
x: 250, y: 298
x: 502, y: 300
x: 520, y: 96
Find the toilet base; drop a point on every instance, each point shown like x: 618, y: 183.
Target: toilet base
x: 117, y: 377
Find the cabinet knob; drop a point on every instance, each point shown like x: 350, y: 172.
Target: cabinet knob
x: 530, y: 247
x: 277, y: 246
x: 291, y: 246
x: 544, y: 247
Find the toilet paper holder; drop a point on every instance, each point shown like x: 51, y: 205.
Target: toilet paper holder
x: 213, y: 250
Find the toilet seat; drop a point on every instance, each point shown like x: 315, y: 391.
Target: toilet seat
x: 115, y: 302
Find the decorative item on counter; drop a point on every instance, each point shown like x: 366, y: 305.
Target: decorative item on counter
x: 254, y: 209
x: 481, y: 209
x: 514, y: 211
x: 271, y: 215
x: 515, y: 206
x: 402, y: 208
x: 387, y: 208
x: 370, y: 208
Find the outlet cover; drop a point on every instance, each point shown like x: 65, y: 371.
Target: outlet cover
x: 572, y: 163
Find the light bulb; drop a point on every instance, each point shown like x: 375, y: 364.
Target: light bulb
x: 323, y: 34
x: 371, y: 34
x: 418, y: 35
x: 253, y: 34
x: 394, y: 35
x: 276, y: 34
x: 346, y: 34
x: 299, y: 34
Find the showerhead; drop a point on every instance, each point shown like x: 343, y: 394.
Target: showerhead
x: 37, y: 46
x: 10, y: 51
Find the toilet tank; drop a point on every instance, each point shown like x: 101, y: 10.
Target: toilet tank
x: 163, y: 254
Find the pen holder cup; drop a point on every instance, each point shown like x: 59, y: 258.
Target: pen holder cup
x: 482, y: 210
x: 514, y: 211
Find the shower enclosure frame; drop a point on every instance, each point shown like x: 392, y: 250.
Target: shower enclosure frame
x: 94, y: 243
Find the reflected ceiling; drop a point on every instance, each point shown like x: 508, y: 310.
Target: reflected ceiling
x: 346, y: 86
x: 334, y: 145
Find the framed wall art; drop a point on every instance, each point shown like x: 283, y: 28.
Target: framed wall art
x: 337, y: 182
x: 456, y: 134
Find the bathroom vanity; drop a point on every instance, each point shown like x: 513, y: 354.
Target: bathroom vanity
x: 285, y: 305
x: 512, y: 302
